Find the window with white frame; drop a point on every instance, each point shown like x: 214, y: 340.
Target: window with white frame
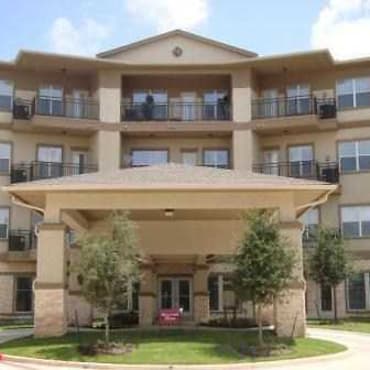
x: 355, y: 221
x: 5, y: 157
x: 353, y: 93
x: 354, y: 155
x: 358, y: 291
x: 4, y: 222
x: 215, y: 288
x: 216, y: 158
x: 299, y: 101
x: 310, y: 220
x: 144, y: 157
x: 6, y: 95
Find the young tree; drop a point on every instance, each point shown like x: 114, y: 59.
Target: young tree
x: 109, y: 265
x: 329, y: 264
x: 263, y: 262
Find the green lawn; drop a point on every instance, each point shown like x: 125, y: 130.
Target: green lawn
x: 168, y: 347
x: 359, y: 324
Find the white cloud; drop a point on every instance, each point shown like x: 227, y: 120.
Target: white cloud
x: 169, y: 14
x: 343, y: 26
x: 83, y: 39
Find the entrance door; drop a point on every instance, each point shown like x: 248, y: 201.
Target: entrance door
x: 79, y: 104
x: 188, y: 100
x: 175, y: 293
x: 79, y: 160
x: 49, y: 162
x: 271, y: 162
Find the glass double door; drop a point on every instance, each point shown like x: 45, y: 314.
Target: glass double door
x: 175, y: 293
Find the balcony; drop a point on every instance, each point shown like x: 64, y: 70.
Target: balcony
x: 176, y: 111
x: 21, y: 240
x: 321, y: 171
x: 66, y: 107
x: 37, y: 170
x: 293, y: 106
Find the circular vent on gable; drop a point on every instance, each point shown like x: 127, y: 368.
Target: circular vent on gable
x: 177, y: 51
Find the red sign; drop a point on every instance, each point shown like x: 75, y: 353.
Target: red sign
x: 169, y: 317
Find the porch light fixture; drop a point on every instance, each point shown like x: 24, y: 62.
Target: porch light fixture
x: 169, y: 212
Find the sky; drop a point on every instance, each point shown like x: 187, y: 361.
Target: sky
x: 85, y: 27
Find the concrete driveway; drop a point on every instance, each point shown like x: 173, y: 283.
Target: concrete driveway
x: 357, y: 358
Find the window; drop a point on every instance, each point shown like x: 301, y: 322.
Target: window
x: 326, y: 297
x: 310, y: 220
x: 216, y: 158
x: 6, y: 95
x: 353, y: 93
x: 4, y: 223
x: 189, y: 157
x: 354, y: 156
x: 23, y: 295
x: 301, y: 161
x: 356, y: 292
x: 50, y: 100
x: 299, y: 101
x: 355, y: 221
x: 214, y: 284
x: 142, y: 157
x: 5, y: 157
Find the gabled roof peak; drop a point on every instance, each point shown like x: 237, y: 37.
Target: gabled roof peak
x: 176, y: 32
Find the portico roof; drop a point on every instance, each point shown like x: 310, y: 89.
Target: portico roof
x: 171, y: 186
x: 167, y: 177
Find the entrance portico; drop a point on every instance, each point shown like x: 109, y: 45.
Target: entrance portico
x: 186, y: 216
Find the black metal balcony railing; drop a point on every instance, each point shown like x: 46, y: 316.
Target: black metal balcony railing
x: 175, y: 112
x: 37, y: 170
x: 322, y: 171
x: 21, y: 240
x: 293, y: 106
x: 23, y: 108
x: 311, y: 234
x: 67, y: 107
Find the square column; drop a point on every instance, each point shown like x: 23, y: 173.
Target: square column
x: 290, y: 312
x: 201, y: 296
x: 110, y: 96
x: 147, y: 296
x: 50, y: 288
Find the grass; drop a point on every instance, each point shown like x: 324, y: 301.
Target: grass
x: 169, y: 347
x: 359, y: 324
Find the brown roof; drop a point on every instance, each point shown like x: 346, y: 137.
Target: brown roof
x: 170, y: 176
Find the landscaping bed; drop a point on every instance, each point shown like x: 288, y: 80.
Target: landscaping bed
x: 166, y: 346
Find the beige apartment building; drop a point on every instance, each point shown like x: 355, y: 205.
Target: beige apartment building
x: 186, y: 133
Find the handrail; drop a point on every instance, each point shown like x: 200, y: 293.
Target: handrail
x: 37, y: 170
x: 176, y: 111
x: 322, y: 171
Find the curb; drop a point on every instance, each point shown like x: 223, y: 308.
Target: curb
x: 230, y: 366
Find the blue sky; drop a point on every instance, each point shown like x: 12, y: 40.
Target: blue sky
x: 264, y: 26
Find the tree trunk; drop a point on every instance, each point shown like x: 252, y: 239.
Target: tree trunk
x: 106, y: 332
x: 335, y: 304
x: 260, y: 331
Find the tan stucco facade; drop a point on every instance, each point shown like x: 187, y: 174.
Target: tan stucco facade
x: 206, y: 223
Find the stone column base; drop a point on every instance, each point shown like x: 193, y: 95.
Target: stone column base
x: 146, y: 309
x: 290, y: 316
x: 50, y: 312
x: 201, y: 307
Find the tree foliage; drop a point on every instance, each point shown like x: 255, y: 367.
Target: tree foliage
x: 329, y: 263
x: 109, y: 265
x: 264, y: 261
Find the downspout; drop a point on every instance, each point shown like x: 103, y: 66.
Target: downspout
x: 21, y: 203
x: 317, y: 202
